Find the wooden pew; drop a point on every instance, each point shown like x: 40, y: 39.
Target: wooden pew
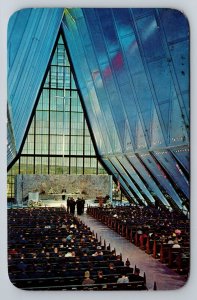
x: 156, y: 248
x: 164, y: 252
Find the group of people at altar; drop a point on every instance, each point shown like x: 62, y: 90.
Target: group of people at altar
x: 72, y: 203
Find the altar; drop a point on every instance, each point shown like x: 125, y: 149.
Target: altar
x: 33, y: 199
x: 60, y: 187
x: 58, y: 196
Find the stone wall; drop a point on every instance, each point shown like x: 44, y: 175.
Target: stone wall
x: 86, y: 186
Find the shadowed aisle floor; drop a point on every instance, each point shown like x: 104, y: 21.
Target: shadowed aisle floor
x: 166, y: 279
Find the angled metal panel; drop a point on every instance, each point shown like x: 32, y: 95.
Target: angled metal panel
x: 148, y: 178
x: 127, y: 165
x: 11, y: 147
x: 173, y: 169
x: 183, y: 156
x: 118, y: 177
x: 157, y: 139
x: 29, y: 48
x: 121, y: 171
x: 161, y: 177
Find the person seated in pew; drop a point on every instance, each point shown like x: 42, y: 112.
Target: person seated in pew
x: 127, y: 270
x: 85, y: 257
x: 87, y: 280
x: 69, y: 237
x: 113, y: 255
x: 98, y: 251
x: 84, y: 248
x: 118, y: 261
x: 170, y: 240
x: 176, y: 244
x: 111, y: 270
x: 123, y: 278
x: 100, y: 278
x: 162, y: 238
x: 65, y: 272
x: 70, y: 252
x: 92, y: 269
x: 12, y: 251
x: 22, y: 266
x: 127, y: 262
x: 38, y: 271
x: 99, y: 257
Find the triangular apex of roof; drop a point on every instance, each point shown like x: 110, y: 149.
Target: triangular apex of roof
x: 60, y: 97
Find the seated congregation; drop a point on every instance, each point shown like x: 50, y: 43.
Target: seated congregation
x: 49, y: 248
x: 163, y: 234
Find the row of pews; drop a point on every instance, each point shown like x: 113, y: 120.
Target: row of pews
x: 37, y: 248
x: 175, y: 258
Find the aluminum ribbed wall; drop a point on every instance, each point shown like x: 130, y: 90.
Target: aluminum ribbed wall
x: 132, y: 67
x: 31, y: 37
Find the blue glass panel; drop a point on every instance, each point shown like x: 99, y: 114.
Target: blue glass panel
x: 157, y: 139
x: 140, y: 136
x: 75, y: 13
x: 173, y: 169
x: 178, y: 130
x: 81, y: 25
x: 186, y: 101
x: 175, y: 24
x: 118, y: 66
x: 97, y: 114
x: 180, y: 57
x: 140, y: 12
x: 96, y: 127
x: 132, y: 54
x: 96, y: 35
x: 127, y: 97
x: 162, y: 79
x: 142, y: 89
x: 165, y: 113
x: 150, y: 36
x: 109, y: 32
x: 123, y: 21
x: 100, y: 93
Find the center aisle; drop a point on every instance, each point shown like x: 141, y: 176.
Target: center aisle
x: 165, y: 278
